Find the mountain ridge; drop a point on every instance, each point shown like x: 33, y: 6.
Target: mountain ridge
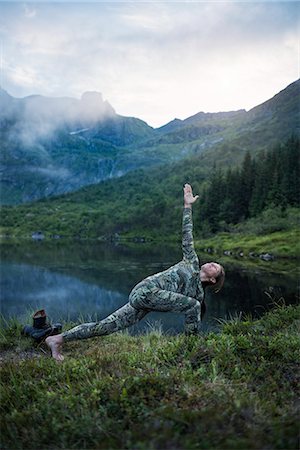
x: 91, y: 142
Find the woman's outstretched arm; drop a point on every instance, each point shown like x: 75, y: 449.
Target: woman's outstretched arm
x: 187, y: 225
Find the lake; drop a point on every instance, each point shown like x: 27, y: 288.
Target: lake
x: 87, y: 280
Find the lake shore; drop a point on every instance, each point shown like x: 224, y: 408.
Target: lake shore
x: 232, y: 390
x: 284, y: 244
x: 280, y: 244
x: 277, y: 252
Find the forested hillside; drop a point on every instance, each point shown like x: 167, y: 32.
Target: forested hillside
x: 237, y: 194
x: 148, y: 203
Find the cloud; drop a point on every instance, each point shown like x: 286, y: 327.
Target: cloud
x: 51, y: 172
x: 29, y: 12
x: 24, y: 76
x: 153, y: 60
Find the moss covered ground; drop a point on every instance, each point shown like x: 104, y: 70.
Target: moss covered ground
x: 236, y: 389
x: 281, y: 244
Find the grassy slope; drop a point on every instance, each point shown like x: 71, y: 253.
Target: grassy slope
x: 281, y: 244
x: 234, y: 390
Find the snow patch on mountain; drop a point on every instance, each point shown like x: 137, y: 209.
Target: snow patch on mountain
x: 79, y: 131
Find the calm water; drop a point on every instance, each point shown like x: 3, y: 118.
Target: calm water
x: 86, y: 281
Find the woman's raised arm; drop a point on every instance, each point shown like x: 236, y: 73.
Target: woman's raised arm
x: 187, y: 225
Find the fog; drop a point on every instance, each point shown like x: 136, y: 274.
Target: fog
x: 38, y: 118
x: 43, y: 143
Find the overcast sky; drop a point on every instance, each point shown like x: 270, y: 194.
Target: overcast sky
x: 152, y: 60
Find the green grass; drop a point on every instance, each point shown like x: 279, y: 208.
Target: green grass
x: 282, y: 244
x: 232, y: 390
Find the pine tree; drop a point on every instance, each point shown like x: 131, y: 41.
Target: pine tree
x: 271, y: 180
x: 247, y: 185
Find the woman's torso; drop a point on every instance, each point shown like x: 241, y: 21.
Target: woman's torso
x: 182, y: 278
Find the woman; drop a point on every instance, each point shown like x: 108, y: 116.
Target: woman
x: 177, y: 289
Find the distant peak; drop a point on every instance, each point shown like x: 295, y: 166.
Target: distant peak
x: 92, y: 96
x: 93, y: 108
x: 4, y: 93
x: 5, y: 98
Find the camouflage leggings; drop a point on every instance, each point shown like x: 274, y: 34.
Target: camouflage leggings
x: 144, y: 298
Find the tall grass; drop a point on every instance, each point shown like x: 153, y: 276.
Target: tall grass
x: 233, y: 390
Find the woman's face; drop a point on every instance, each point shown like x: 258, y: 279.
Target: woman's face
x: 210, y: 271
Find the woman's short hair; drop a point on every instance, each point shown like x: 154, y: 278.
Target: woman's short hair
x: 216, y: 287
x: 220, y: 278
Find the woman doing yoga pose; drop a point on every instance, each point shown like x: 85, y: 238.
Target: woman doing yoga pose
x: 178, y: 289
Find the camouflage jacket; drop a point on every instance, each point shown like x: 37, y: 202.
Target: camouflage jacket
x: 183, y: 277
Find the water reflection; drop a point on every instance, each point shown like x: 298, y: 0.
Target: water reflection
x: 62, y: 296
x: 90, y: 280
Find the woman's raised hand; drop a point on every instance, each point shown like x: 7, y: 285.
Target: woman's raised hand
x: 189, y: 198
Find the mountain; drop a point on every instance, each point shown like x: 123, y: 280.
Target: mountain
x: 199, y: 119
x: 56, y: 145
x: 51, y: 146
x: 147, y: 203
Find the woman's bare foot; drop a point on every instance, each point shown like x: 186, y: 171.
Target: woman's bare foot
x: 55, y: 343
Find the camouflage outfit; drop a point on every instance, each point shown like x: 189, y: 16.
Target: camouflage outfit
x: 177, y: 289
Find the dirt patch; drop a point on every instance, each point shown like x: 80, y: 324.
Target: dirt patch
x: 20, y: 355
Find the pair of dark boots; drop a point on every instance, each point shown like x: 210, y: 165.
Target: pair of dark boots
x: 41, y: 329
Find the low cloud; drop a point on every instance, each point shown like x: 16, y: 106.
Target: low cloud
x: 39, y: 118
x: 51, y: 172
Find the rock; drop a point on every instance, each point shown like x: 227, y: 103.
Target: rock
x: 266, y: 257
x: 253, y: 255
x: 37, y: 236
x: 115, y: 237
x: 241, y: 254
x: 139, y: 239
x: 227, y: 252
